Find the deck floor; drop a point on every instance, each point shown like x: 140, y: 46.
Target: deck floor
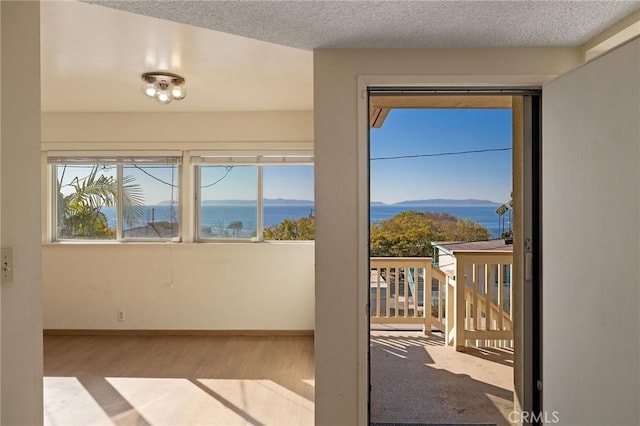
x: 416, y: 379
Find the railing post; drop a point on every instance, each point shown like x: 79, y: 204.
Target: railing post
x: 500, y: 297
x: 488, y: 300
x: 405, y: 289
x: 426, y: 296
x: 459, y: 341
x: 387, y: 292
x: 451, y: 308
x: 378, y: 290
x: 477, y: 309
x: 441, y: 289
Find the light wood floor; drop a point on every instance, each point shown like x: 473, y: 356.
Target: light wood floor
x: 178, y: 381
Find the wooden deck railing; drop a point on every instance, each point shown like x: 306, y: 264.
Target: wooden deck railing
x: 397, y: 290
x: 470, y: 301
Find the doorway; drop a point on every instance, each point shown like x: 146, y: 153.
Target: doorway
x: 485, y: 318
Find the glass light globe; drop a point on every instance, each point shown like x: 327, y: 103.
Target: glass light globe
x: 178, y: 92
x: 163, y: 97
x: 150, y: 89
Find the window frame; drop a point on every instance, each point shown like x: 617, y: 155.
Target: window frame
x: 188, y: 206
x: 119, y: 160
x: 259, y: 160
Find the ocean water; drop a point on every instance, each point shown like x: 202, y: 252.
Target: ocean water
x: 216, y: 219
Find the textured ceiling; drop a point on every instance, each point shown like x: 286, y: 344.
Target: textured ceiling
x: 256, y: 55
x: 378, y: 24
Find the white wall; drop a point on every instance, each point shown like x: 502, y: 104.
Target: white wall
x: 340, y: 170
x: 224, y: 286
x: 216, y: 286
x: 186, y: 130
x: 591, y: 234
x: 21, y: 356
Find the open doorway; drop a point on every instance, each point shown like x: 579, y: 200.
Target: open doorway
x: 445, y: 299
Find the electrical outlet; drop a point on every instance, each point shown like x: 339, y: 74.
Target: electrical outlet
x: 120, y: 314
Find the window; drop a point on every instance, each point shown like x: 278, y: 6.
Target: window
x: 254, y: 198
x: 115, y: 198
x: 288, y: 206
x: 228, y: 202
x: 86, y: 196
x: 136, y: 198
x: 158, y: 186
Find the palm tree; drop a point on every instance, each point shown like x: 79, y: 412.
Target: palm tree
x: 500, y: 211
x: 80, y: 213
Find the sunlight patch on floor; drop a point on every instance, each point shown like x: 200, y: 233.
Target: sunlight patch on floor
x: 248, y: 395
x: 173, y: 401
x: 67, y: 402
x: 500, y: 404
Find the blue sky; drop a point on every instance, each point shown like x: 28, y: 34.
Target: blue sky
x: 430, y: 131
x: 484, y: 175
x: 292, y: 182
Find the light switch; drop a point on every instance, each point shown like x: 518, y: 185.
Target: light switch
x: 6, y: 253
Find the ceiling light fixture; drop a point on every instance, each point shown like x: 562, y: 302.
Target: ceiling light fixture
x: 164, y: 86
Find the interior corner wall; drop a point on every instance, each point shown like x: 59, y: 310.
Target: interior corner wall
x: 591, y: 242
x: 341, y: 321
x: 21, y: 347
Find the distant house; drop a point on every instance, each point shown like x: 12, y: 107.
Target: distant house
x: 443, y: 252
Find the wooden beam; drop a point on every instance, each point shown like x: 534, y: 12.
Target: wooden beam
x: 377, y: 117
x: 614, y: 36
x: 440, y: 101
x: 380, y: 105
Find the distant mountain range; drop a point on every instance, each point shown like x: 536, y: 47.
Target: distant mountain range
x: 267, y: 202
x: 444, y: 202
x: 432, y: 202
x: 286, y: 202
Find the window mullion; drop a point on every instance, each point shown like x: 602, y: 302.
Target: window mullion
x: 197, y: 203
x: 53, y: 170
x: 119, y: 201
x: 260, y: 218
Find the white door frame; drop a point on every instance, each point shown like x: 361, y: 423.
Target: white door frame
x: 363, y: 83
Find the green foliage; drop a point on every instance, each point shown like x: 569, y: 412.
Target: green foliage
x: 410, y: 233
x: 290, y: 229
x: 84, y: 222
x: 80, y: 213
x: 132, y: 202
x: 502, y: 210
